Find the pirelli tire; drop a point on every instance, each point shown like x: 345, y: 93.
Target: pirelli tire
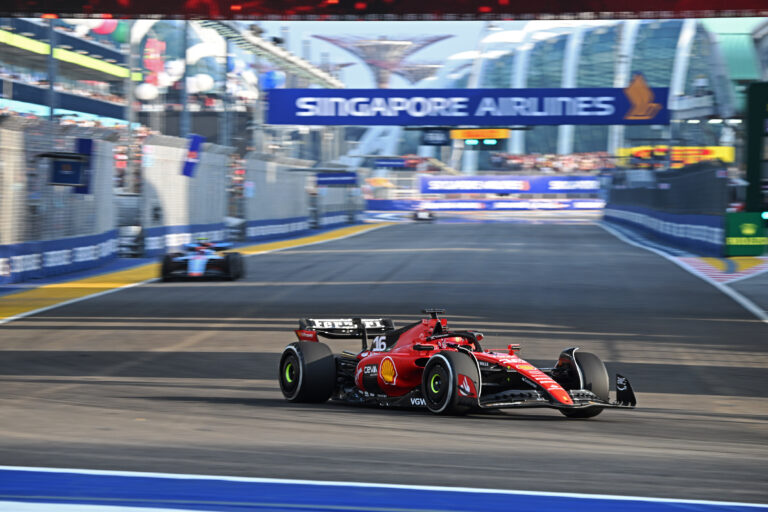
x: 233, y: 264
x: 166, y: 267
x: 450, y: 383
x: 595, y: 379
x: 307, y: 372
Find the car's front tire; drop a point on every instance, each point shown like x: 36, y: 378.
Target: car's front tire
x: 450, y: 383
x: 307, y: 372
x: 595, y: 379
x: 233, y: 263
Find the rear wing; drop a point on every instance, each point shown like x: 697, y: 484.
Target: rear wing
x: 218, y: 246
x: 343, y: 328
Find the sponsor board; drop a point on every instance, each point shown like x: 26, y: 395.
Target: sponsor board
x: 195, y: 143
x: 344, y: 323
x: 636, y: 104
x: 508, y: 185
x: 325, y: 179
x: 19, y: 262
x: 484, y: 205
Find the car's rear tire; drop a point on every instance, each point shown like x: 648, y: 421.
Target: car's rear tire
x: 595, y: 379
x: 165, y: 268
x: 450, y: 383
x: 307, y: 372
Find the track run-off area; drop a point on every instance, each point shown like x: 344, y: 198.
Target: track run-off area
x: 180, y: 378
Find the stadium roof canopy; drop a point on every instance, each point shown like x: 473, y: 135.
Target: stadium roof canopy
x: 735, y: 38
x: 273, y: 53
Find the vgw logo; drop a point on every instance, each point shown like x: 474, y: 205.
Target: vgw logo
x: 641, y: 97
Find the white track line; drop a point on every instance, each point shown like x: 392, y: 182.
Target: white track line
x: 730, y: 292
x: 472, y: 490
x: 113, y: 290
x: 318, y: 242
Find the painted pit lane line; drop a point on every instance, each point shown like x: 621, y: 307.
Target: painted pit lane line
x: 25, y: 489
x: 20, y: 304
x: 681, y: 259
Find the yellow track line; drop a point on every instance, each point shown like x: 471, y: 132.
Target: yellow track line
x: 47, y: 296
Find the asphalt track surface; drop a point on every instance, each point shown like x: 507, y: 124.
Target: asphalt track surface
x: 181, y: 377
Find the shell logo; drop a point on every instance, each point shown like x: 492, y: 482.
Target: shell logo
x: 387, y: 371
x: 748, y: 229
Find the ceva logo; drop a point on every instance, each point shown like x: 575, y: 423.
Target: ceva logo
x: 641, y: 97
x: 192, y: 156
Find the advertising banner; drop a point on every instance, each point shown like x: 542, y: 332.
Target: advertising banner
x: 193, y: 155
x: 85, y: 148
x: 66, y: 172
x: 35, y: 260
x: 435, y: 137
x: 338, y: 179
x: 636, y: 104
x: 744, y: 234
x: 508, y: 184
x: 484, y: 205
x: 389, y: 162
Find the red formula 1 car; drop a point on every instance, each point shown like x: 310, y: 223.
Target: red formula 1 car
x: 425, y: 365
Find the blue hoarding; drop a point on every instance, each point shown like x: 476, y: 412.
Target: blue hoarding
x: 484, y: 204
x: 66, y: 172
x: 336, y: 179
x: 636, y: 104
x: 85, y: 148
x: 508, y: 184
x: 389, y: 162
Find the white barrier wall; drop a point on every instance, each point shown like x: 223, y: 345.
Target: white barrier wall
x: 176, y: 208
x: 281, y: 197
x: 165, y: 191
x: 33, y: 210
x: 273, y: 192
x: 13, y: 187
x: 173, y: 199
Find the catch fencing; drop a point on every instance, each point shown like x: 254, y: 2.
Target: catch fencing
x: 175, y: 208
x: 281, y: 197
x: 685, y: 208
x: 50, y: 229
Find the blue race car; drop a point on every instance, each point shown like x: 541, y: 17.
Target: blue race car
x: 203, y: 259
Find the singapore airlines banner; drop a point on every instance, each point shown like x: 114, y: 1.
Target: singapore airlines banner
x: 636, y: 104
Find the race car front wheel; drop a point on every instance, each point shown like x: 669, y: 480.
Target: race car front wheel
x: 594, y: 378
x: 450, y: 383
x: 307, y: 372
x: 233, y: 262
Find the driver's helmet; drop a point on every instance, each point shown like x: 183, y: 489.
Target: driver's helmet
x: 203, y: 243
